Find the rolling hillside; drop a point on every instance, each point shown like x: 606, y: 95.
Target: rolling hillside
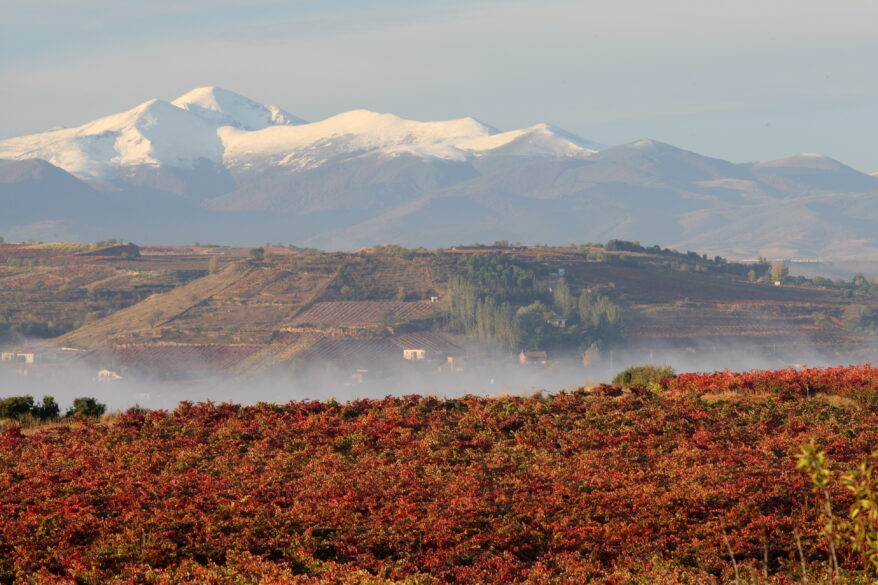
x: 244, y: 315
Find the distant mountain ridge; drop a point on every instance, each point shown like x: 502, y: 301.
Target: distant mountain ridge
x: 213, y: 165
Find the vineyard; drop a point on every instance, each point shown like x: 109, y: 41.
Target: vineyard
x: 46, y: 290
x: 365, y: 313
x: 692, y: 482
x: 173, y: 359
x: 364, y: 277
x: 501, y: 299
x: 757, y: 324
x: 656, y: 284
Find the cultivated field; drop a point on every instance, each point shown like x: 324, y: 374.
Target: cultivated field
x: 285, y: 303
x: 692, y: 482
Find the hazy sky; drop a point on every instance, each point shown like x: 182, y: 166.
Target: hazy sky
x: 742, y: 80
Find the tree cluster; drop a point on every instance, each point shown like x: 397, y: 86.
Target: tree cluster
x: 23, y: 407
x: 495, y: 300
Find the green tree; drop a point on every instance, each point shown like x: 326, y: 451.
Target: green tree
x: 600, y: 316
x: 533, y: 331
x: 861, y: 318
x: 49, y: 409
x: 564, y: 302
x: 16, y: 406
x: 87, y: 407
x: 646, y: 375
x: 499, y: 276
x: 779, y: 271
x: 462, y: 299
x: 257, y: 254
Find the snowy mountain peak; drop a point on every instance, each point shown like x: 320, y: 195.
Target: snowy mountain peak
x: 147, y: 113
x: 550, y: 129
x: 540, y: 140
x: 154, y: 133
x: 222, y: 107
x: 393, y: 127
x: 224, y: 128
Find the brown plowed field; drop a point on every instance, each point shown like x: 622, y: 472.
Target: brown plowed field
x: 653, y: 285
x: 644, y: 323
x: 179, y: 357
x: 365, y: 313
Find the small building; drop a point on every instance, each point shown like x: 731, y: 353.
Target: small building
x: 416, y: 354
x: 453, y: 364
x: 108, y: 376
x: 360, y: 376
x: 426, y: 346
x: 557, y: 320
x: 28, y: 356
x: 533, y: 358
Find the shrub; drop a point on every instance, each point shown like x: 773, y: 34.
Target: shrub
x: 859, y: 531
x: 643, y: 375
x: 87, y: 407
x: 47, y: 410
x: 16, y: 406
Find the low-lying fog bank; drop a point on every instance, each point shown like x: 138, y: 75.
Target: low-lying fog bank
x: 481, y: 377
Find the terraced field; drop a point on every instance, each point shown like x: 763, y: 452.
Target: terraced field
x: 743, y: 324
x: 654, y: 285
x: 47, y: 290
x: 127, y: 325
x: 169, y: 359
x: 389, y: 277
x: 239, y: 314
x: 365, y: 313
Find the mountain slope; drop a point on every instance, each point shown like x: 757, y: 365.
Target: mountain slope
x: 41, y: 201
x: 216, y: 166
x: 815, y: 173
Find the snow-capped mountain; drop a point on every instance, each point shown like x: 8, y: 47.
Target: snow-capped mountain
x: 213, y: 165
x: 221, y: 107
x: 214, y: 125
x: 156, y: 133
x: 363, y: 132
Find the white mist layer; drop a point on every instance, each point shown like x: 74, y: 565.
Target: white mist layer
x: 490, y: 378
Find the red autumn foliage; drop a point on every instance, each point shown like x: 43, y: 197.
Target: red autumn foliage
x: 575, y: 487
x: 855, y: 382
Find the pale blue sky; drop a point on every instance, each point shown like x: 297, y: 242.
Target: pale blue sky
x: 743, y: 80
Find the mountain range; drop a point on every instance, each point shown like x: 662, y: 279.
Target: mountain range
x: 214, y: 166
